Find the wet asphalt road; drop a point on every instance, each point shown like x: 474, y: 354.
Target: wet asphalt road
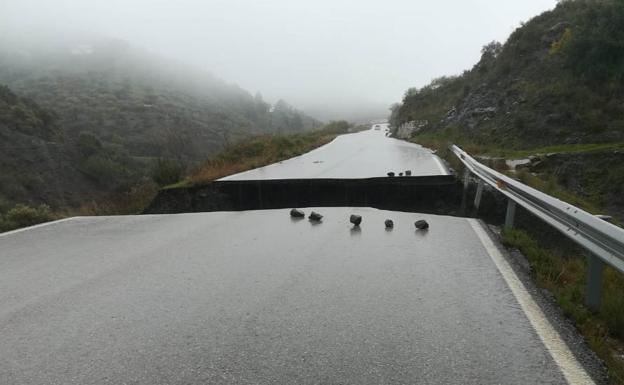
x: 258, y: 298
x: 365, y: 154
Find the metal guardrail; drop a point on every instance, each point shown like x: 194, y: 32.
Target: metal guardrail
x: 603, y: 240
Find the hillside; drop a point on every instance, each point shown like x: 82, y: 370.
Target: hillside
x: 32, y: 150
x: 552, y: 95
x: 557, y: 80
x: 39, y: 181
x: 86, y: 117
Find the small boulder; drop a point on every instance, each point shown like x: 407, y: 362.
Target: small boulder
x: 315, y: 216
x: 355, y: 219
x: 390, y: 173
x: 421, y: 224
x: 297, y: 213
x: 400, y: 174
x: 408, y: 172
x: 389, y: 224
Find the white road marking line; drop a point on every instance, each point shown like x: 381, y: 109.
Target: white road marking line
x: 36, y: 226
x: 443, y: 169
x: 572, y: 370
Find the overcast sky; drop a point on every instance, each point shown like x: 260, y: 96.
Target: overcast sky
x: 311, y: 53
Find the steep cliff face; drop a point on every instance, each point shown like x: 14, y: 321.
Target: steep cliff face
x: 558, y: 79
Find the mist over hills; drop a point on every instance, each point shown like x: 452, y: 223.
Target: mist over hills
x: 360, y: 113
x: 106, y: 113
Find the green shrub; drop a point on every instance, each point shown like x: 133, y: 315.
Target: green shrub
x: 258, y: 151
x: 565, y: 277
x: 167, y: 171
x: 89, y: 144
x: 337, y: 127
x: 138, y: 197
x: 99, y: 168
x: 5, y: 205
x: 23, y: 215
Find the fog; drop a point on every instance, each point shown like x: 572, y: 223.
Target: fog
x: 330, y: 58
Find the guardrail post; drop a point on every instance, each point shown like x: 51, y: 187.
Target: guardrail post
x: 511, y: 214
x: 477, y: 200
x: 595, y: 268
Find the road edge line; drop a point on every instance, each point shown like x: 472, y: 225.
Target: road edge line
x: 572, y: 370
x: 37, y: 226
x: 442, y: 167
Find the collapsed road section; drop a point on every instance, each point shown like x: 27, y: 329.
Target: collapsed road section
x: 440, y: 194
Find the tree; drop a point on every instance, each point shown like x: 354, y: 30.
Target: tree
x: 491, y: 50
x: 89, y: 144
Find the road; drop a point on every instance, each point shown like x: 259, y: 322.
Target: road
x: 259, y: 298
x: 365, y: 154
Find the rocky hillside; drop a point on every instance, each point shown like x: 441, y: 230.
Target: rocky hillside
x: 557, y: 80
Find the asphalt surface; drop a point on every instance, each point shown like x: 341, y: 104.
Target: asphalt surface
x: 259, y: 298
x: 365, y: 154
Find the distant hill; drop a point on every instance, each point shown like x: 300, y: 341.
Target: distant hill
x: 559, y: 79
x: 83, y: 117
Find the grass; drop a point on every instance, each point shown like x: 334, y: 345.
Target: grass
x: 131, y: 201
x: 441, y: 143
x: 562, y: 148
x: 253, y: 152
x: 256, y: 152
x: 565, y: 277
x: 250, y: 153
x: 548, y: 184
x: 544, y: 182
x: 22, y: 215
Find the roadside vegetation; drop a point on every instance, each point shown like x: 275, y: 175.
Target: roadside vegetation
x: 563, y: 271
x: 263, y: 150
x: 76, y: 129
x: 590, y: 176
x: 441, y: 142
x: 564, y: 275
x: 248, y: 153
x: 558, y: 79
x: 133, y: 201
x: 561, y: 148
x: 22, y: 215
x: 555, y: 87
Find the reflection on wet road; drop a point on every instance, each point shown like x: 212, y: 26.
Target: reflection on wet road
x: 364, y: 154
